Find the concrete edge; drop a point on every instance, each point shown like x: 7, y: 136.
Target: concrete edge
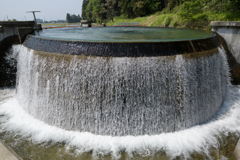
x: 17, y: 23
x: 121, y: 49
x: 237, y: 151
x: 11, y: 151
x: 225, y: 23
x: 23, y: 32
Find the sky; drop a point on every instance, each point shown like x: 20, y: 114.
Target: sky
x: 50, y: 9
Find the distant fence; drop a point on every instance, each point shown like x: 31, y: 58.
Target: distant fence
x: 128, y: 24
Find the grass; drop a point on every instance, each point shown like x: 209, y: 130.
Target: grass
x: 58, y: 24
x: 155, y: 20
x: 166, y: 19
x: 120, y: 20
x: 152, y: 20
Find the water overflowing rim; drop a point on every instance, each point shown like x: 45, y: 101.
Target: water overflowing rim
x: 68, y: 40
x: 121, y: 49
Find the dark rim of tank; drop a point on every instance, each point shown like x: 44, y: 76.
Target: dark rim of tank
x: 122, y: 49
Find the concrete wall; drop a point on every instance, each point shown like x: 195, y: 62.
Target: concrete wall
x: 230, y: 33
x: 11, y: 33
x: 9, y: 29
x: 86, y: 23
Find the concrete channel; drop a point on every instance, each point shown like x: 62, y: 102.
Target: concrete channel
x: 7, y: 153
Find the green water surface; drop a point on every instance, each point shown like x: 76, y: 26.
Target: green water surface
x: 124, y: 34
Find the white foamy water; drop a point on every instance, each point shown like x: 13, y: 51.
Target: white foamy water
x: 121, y: 96
x: 196, y: 139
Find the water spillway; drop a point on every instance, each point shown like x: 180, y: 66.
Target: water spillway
x: 122, y: 86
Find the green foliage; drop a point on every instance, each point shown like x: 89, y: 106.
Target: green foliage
x: 175, y: 23
x: 233, y: 15
x: 94, y: 11
x: 190, y: 8
x: 218, y: 6
x: 209, y: 28
x: 173, y: 3
x: 162, y: 20
x: 159, y: 20
x: 165, y: 11
x: 73, y: 18
x: 111, y: 8
x: 187, y: 13
x: 84, y: 6
x: 184, y: 21
x: 175, y: 9
x: 167, y: 21
x: 154, y: 6
x: 120, y: 19
x: 200, y: 16
x: 126, y: 8
x: 139, y: 8
x: 68, y: 17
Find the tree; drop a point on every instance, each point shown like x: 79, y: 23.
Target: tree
x: 190, y: 8
x: 94, y: 10
x: 126, y: 8
x: 154, y: 6
x: 138, y: 8
x: 68, y: 17
x: 84, y: 6
x: 73, y: 18
x: 110, y: 8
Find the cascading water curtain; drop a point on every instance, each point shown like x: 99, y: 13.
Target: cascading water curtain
x: 121, y: 96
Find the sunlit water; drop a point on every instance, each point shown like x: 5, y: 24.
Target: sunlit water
x: 124, y: 34
x: 34, y: 139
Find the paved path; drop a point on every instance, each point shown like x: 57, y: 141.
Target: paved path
x: 7, y: 153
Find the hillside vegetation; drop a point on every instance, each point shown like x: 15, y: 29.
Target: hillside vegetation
x: 172, y: 13
x: 159, y: 19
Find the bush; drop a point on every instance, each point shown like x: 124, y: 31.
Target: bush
x: 184, y: 21
x: 233, y: 15
x: 167, y: 21
x: 175, y: 24
x: 201, y: 16
x: 175, y: 9
x: 190, y: 8
x: 209, y: 28
x: 165, y: 11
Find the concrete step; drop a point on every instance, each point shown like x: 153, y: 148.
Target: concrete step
x: 7, y: 153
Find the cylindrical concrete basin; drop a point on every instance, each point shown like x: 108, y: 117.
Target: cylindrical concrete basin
x: 122, y: 88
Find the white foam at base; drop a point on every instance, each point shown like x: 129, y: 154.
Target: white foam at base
x: 196, y: 139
